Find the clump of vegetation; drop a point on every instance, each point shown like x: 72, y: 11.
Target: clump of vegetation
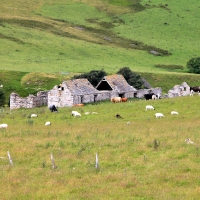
x: 194, y: 65
x: 93, y: 76
x: 2, y: 97
x: 131, y: 77
x: 170, y: 67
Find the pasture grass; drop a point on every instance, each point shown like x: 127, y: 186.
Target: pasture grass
x: 147, y: 159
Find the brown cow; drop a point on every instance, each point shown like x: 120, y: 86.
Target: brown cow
x: 124, y: 99
x: 78, y: 105
x: 116, y: 99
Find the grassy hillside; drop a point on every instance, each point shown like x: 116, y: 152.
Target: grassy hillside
x: 147, y: 159
x: 78, y: 36
x: 67, y: 37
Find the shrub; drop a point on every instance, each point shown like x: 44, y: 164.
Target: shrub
x: 131, y: 77
x: 194, y: 65
x: 170, y: 67
x: 2, y: 97
x: 93, y: 76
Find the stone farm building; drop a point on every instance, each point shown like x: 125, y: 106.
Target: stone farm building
x: 179, y: 90
x: 77, y: 91
x: 117, y: 86
x: 81, y: 91
x: 28, y: 102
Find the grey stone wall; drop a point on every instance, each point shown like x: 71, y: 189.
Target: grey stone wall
x: 142, y: 92
x: 179, y: 90
x: 28, y: 102
x: 60, y: 98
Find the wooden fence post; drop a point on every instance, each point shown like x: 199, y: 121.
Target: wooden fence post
x: 9, y: 157
x: 97, y: 161
x: 52, y: 161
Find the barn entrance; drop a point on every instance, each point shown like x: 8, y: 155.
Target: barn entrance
x: 95, y: 98
x: 122, y: 95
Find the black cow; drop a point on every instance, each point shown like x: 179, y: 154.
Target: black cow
x: 195, y: 88
x: 53, y: 108
x: 119, y: 116
x: 150, y: 96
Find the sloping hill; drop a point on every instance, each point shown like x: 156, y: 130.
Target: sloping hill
x: 78, y: 36
x: 74, y: 36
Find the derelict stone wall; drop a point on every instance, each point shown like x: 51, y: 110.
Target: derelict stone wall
x: 28, y: 102
x: 142, y: 92
x: 179, y: 90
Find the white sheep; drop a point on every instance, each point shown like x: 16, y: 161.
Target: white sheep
x: 94, y: 112
x: 87, y: 113
x: 149, y: 107
x: 47, y: 123
x: 34, y: 115
x: 3, y: 125
x: 128, y: 123
x: 188, y: 141
x: 159, y: 115
x: 76, y: 114
x: 174, y: 113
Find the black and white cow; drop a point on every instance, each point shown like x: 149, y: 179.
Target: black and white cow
x: 151, y: 96
x: 194, y: 89
x: 53, y: 108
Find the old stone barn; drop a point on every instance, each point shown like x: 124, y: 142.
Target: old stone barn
x: 117, y: 86
x: 77, y: 91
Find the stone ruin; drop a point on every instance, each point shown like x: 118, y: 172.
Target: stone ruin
x: 179, y: 90
x: 28, y: 102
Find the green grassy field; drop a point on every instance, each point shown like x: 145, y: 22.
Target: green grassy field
x: 44, y: 36
x: 45, y: 42
x: 147, y: 159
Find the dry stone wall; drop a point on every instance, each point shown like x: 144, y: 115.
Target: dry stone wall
x: 28, y: 102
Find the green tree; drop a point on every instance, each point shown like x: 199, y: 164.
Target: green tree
x: 93, y: 76
x: 194, y: 65
x: 131, y: 77
x: 2, y: 97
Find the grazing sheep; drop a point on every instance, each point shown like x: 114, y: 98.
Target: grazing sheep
x: 174, y: 113
x: 94, y: 112
x: 149, y: 107
x: 76, y: 114
x: 47, y: 123
x: 87, y: 113
x: 3, y: 125
x: 188, y: 141
x: 34, y: 115
x: 159, y: 115
x: 128, y: 123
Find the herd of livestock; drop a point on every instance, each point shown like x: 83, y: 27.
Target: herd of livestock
x: 150, y: 96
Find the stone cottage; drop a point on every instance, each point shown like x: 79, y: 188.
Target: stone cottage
x: 179, y: 90
x: 77, y: 91
x: 117, y: 86
x: 28, y: 102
